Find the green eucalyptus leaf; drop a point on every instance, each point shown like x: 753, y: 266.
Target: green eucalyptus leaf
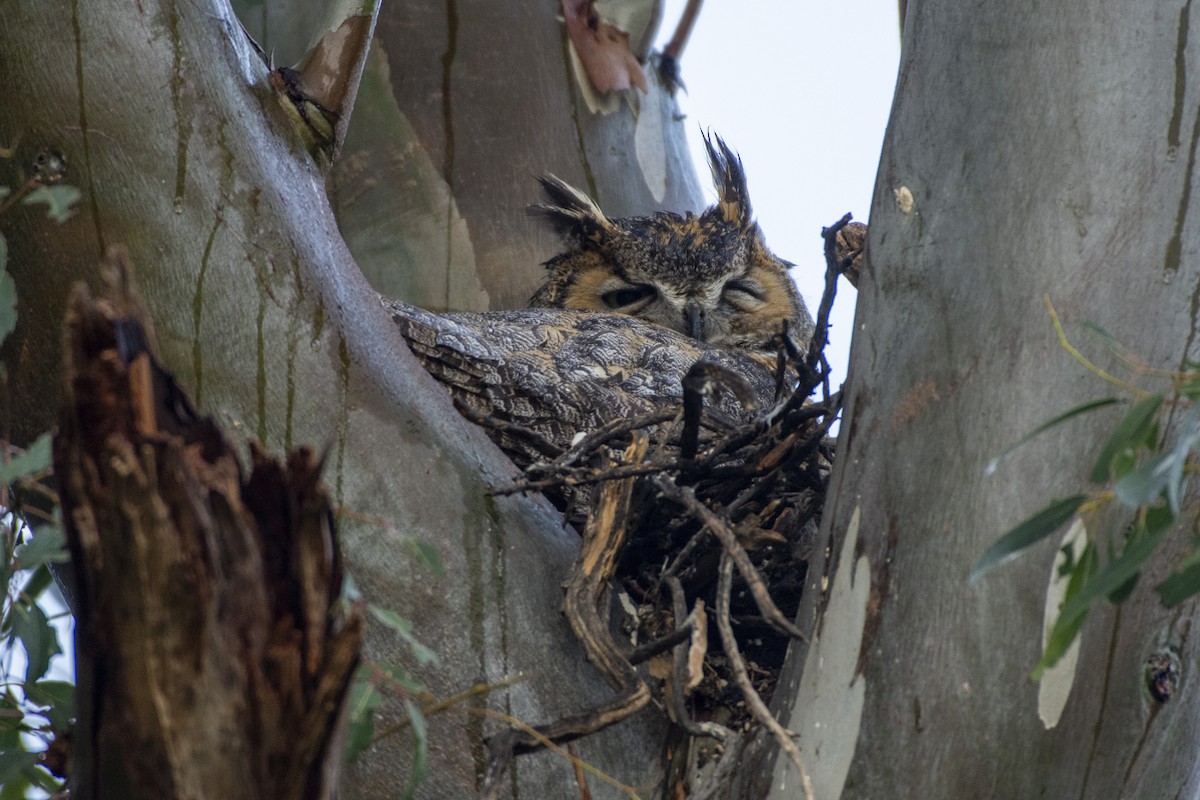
x: 1114, y: 574
x: 1179, y: 586
x: 1061, y: 418
x: 423, y: 654
x: 1190, y: 389
x: 429, y: 556
x: 1122, y: 592
x: 35, y: 459
x: 1104, y: 336
x: 59, y: 200
x: 420, y: 749
x: 12, y: 718
x: 39, y: 638
x: 38, y: 582
x: 1028, y: 533
x: 1064, y: 631
x: 58, y: 698
x: 392, y: 620
x: 14, y: 766
x: 1146, y: 483
x: 1130, y: 433
x: 48, y: 546
x: 365, y: 698
x: 1117, y: 576
x: 1059, y: 641
x: 402, y: 678
x: 1189, y: 435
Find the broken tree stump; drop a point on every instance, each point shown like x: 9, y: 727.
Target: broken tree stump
x: 214, y: 655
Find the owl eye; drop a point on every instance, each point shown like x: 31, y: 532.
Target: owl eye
x: 748, y: 288
x: 627, y: 296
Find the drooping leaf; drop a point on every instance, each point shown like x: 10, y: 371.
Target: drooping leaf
x: 402, y: 679
x: 423, y: 654
x: 12, y: 717
x: 58, y: 700
x: 59, y: 200
x: 364, y: 700
x: 14, y: 764
x: 29, y: 624
x: 429, y: 556
x: 1062, y: 635
x: 36, y: 458
x: 420, y: 749
x: 1179, y: 586
x: 1114, y: 575
x: 38, y: 582
x: 1130, y: 432
x: 1146, y: 483
x: 1106, y: 338
x: 1189, y: 435
x: 1061, y: 418
x: 48, y: 546
x: 1165, y: 473
x: 1028, y: 533
x: 1190, y: 388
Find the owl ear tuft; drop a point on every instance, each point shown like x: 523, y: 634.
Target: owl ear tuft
x: 733, y: 199
x: 569, y: 211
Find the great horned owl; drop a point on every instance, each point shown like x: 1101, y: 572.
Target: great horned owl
x: 559, y: 372
x: 710, y: 276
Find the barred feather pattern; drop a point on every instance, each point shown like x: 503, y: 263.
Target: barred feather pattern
x: 562, y: 372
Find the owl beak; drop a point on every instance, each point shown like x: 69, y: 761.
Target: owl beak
x: 693, y: 321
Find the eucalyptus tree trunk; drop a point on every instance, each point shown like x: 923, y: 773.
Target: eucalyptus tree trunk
x: 163, y: 113
x: 1032, y: 153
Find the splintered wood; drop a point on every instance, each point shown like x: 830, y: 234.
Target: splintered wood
x: 214, y: 658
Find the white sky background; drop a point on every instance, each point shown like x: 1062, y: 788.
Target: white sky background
x: 801, y: 89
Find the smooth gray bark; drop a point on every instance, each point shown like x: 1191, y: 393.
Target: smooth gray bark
x: 1049, y: 151
x: 174, y: 139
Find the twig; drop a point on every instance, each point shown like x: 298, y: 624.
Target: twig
x: 448, y: 703
x: 685, y: 496
x: 758, y: 709
x: 1080, y: 357
x: 603, y: 538
x: 679, y: 674
x: 575, y: 761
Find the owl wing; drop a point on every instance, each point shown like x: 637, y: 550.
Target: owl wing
x: 560, y: 372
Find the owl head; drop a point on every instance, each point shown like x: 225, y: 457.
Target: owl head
x: 709, y: 276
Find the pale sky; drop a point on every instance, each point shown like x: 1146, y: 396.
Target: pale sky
x: 802, y: 91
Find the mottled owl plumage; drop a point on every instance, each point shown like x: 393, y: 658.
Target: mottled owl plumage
x: 710, y: 276
x: 558, y: 372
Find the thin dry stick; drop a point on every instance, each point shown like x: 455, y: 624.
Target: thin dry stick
x: 575, y: 761
x: 679, y: 675
x: 685, y: 496
x: 758, y: 709
x: 438, y: 706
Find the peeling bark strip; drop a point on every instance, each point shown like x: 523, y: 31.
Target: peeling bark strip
x: 213, y: 660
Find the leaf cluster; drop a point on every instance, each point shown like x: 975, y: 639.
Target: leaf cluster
x: 34, y: 709
x: 1142, y: 471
